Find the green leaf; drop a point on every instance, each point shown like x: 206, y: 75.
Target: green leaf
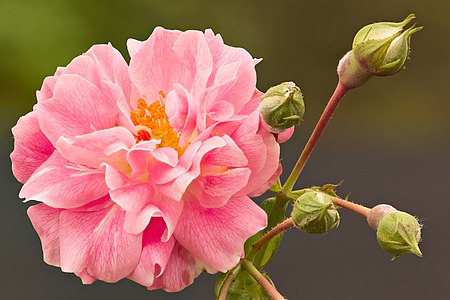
x: 244, y: 287
x: 266, y: 205
x: 276, y: 211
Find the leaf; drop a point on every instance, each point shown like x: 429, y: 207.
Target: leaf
x: 276, y: 211
x: 244, y: 287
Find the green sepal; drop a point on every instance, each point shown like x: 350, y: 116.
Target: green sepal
x: 399, y: 233
x: 276, y: 187
x: 314, y: 212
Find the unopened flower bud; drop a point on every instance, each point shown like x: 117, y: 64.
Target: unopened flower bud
x: 377, y: 213
x: 397, y: 231
x: 379, y: 49
x: 282, y: 106
x: 314, y: 212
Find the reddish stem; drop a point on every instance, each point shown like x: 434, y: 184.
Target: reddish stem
x: 337, y: 96
x: 263, y: 282
x: 286, y: 224
x: 357, y: 208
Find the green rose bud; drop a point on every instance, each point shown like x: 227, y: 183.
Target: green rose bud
x: 314, y: 212
x: 397, y: 232
x: 282, y: 106
x: 379, y: 49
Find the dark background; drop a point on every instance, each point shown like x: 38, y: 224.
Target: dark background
x: 389, y: 140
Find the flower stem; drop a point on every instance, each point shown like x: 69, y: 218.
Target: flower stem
x: 337, y: 96
x: 286, y: 224
x: 357, y: 208
x: 231, y: 276
x: 265, y: 284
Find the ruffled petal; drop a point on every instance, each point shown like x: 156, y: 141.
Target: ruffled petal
x: 267, y: 175
x: 217, y: 235
x: 176, y: 188
x: 111, y: 66
x: 45, y: 221
x: 233, y: 78
x: 142, y: 203
x: 78, y: 107
x: 31, y: 147
x: 155, y: 254
x: 181, y: 270
x: 62, y: 184
x: 155, y: 67
x: 95, y: 242
x: 93, y: 149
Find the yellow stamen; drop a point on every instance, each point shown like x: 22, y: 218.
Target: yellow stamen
x: 151, y: 122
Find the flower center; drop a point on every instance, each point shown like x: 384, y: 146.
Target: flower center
x: 151, y: 122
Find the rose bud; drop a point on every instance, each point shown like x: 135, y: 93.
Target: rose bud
x: 282, y: 107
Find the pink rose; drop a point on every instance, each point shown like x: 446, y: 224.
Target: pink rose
x: 145, y: 171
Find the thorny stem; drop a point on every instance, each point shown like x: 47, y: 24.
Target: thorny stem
x: 286, y: 224
x: 231, y: 276
x: 263, y: 282
x: 357, y: 208
x: 337, y: 96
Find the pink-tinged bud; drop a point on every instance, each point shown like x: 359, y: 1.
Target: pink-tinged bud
x: 397, y: 232
x: 379, y: 49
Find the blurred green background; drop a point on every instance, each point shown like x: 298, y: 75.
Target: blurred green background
x: 389, y: 140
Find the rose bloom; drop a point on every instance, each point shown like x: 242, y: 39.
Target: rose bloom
x: 145, y: 171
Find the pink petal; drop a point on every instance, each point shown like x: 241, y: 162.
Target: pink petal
x: 142, y: 203
x: 253, y: 104
x: 137, y: 220
x: 217, y: 235
x: 221, y: 111
x: 85, y: 277
x: 181, y: 270
x: 155, y: 254
x: 45, y: 221
x: 93, y: 149
x: 267, y: 175
x: 168, y: 173
x: 229, y: 155
x: 62, y: 184
x: 111, y: 66
x: 168, y: 58
x: 139, y: 156
x: 193, y: 51
x: 285, y: 135
x: 155, y: 67
x: 176, y: 188
x: 85, y: 67
x: 31, y: 147
x: 133, y: 46
x: 215, y: 190
x: 95, y: 241
x: 184, y: 119
x: 78, y: 107
x: 269, y: 183
x: 221, y: 175
x: 234, y: 73
x: 46, y: 91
